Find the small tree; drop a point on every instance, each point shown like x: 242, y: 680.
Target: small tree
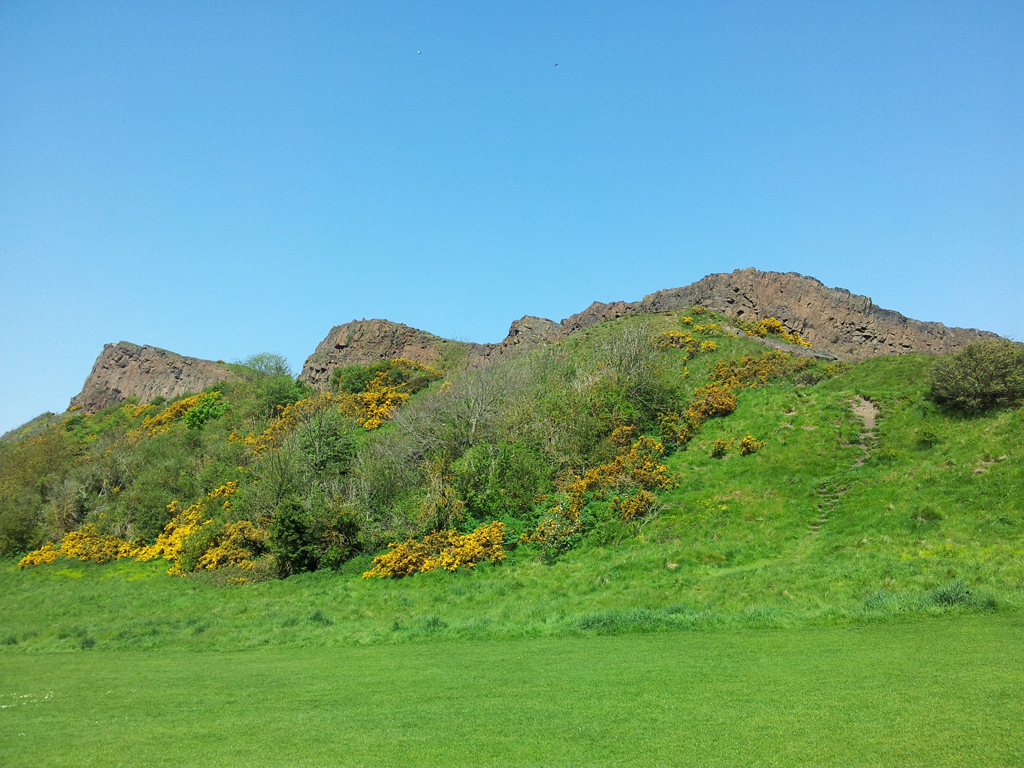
x: 986, y: 374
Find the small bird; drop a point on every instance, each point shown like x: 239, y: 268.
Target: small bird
x: 419, y: 51
x: 556, y: 65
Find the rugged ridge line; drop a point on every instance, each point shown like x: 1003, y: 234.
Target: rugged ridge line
x: 126, y: 370
x: 831, y: 319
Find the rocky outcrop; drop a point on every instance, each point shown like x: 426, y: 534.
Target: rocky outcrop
x: 126, y: 370
x: 362, y: 342
x: 829, y: 318
x: 833, y: 320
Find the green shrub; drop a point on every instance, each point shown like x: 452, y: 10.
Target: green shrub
x: 986, y: 374
x: 304, y: 539
x: 499, y: 480
x: 211, y: 406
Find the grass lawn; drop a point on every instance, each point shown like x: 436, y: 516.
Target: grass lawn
x: 932, y: 691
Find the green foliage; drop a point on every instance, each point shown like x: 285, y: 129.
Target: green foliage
x: 985, y: 374
x: 305, y: 539
x: 289, y: 539
x: 353, y: 379
x: 211, y: 406
x: 265, y: 365
x: 501, y: 480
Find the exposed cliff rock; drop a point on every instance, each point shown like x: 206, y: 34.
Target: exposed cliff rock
x: 831, y: 319
x: 126, y: 370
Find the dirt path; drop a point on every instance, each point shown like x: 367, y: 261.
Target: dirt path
x: 830, y: 493
x: 867, y: 412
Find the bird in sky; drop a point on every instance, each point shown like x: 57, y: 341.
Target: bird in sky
x: 419, y: 51
x: 556, y: 65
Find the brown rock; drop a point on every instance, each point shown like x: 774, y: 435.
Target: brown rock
x: 126, y: 370
x: 829, y: 318
x: 835, y: 322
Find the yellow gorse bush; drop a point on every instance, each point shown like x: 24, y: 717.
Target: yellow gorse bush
x: 772, y: 325
x: 287, y: 417
x: 233, y: 544
x: 635, y: 506
x: 376, y: 404
x: 718, y: 396
x: 86, y: 545
x: 44, y: 555
x: 750, y: 444
x: 170, y: 545
x: 370, y: 408
x: 161, y: 422
x: 684, y: 340
x: 448, y: 550
x: 638, y: 464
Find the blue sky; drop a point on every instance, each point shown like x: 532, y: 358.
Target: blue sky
x: 222, y: 178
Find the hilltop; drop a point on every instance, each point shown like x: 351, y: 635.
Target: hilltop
x: 837, y: 324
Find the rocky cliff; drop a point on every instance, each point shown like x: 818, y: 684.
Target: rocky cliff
x: 126, y: 370
x: 831, y: 319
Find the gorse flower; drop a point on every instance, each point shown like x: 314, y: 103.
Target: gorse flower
x: 234, y: 544
x: 448, y: 550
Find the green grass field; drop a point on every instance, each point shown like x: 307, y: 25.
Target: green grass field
x: 927, y: 692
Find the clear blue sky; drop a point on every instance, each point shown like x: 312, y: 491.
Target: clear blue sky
x: 224, y: 178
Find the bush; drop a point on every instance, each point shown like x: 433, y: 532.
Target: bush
x: 503, y: 479
x: 289, y: 539
x: 720, y: 448
x: 986, y: 374
x: 210, y: 406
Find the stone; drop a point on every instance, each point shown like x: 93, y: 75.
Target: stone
x: 126, y: 370
x: 837, y: 324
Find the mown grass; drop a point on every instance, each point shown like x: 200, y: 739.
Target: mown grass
x: 929, y: 692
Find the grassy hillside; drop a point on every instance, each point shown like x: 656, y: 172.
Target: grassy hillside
x: 828, y: 523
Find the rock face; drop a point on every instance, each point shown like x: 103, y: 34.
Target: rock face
x: 831, y: 319
x: 126, y: 370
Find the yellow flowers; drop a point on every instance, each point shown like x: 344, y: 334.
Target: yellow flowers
x: 232, y: 545
x: 720, y: 447
x: 373, y: 406
x: 380, y: 398
x: 636, y: 506
x: 718, y: 396
x: 772, y: 325
x: 636, y: 466
x: 42, y: 556
x: 684, y: 340
x: 161, y: 422
x: 750, y: 444
x: 751, y: 371
x: 170, y: 545
x: 84, y: 544
x: 287, y: 417
x: 448, y: 550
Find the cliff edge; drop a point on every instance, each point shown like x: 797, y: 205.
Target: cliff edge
x: 126, y: 370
